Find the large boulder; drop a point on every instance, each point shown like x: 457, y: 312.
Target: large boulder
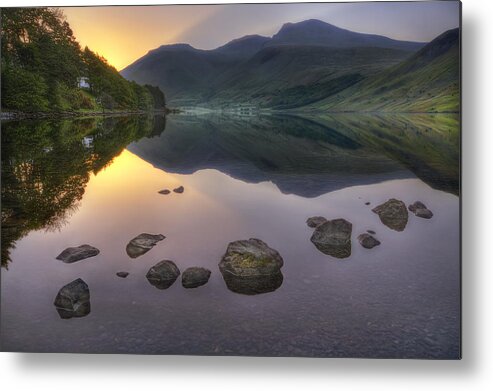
x: 143, y: 243
x: 163, y: 274
x: 74, y: 254
x: 333, y: 238
x: 73, y: 300
x: 251, y: 267
x: 194, y: 277
x: 393, y: 214
x: 368, y: 241
x: 314, y: 222
x: 420, y: 210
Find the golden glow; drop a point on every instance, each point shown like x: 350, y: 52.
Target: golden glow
x: 124, y: 34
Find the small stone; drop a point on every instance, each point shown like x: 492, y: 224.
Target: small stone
x: 393, y: 214
x: 371, y: 232
x: 142, y: 243
x: 368, y: 241
x: 314, y: 222
x: 333, y: 238
x: 73, y: 300
x: 417, y: 205
x: 74, y: 254
x: 194, y: 277
x: 122, y: 274
x: 367, y: 203
x: 420, y: 210
x: 163, y: 274
x: 179, y: 189
x: 424, y: 213
x: 164, y: 191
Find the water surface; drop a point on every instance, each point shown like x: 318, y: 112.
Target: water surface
x: 96, y: 181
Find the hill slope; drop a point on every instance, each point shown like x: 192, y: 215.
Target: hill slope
x: 303, y: 60
x: 426, y: 82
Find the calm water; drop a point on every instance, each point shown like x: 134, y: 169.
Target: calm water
x: 95, y: 181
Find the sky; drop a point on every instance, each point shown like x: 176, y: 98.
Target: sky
x: 123, y: 34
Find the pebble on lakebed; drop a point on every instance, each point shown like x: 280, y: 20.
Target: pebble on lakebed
x: 74, y: 254
x: 122, y: 274
x: 179, y: 190
x: 164, y: 191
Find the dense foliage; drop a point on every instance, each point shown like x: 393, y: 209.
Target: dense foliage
x: 42, y: 63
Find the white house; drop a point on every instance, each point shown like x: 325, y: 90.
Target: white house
x: 83, y: 82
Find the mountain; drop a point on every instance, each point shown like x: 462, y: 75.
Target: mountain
x: 426, y: 82
x: 316, y: 32
x: 303, y: 63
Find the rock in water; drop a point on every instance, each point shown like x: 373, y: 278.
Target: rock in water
x: 74, y: 254
x: 314, y: 222
x: 163, y: 274
x: 179, y: 189
x: 122, y: 274
x: 368, y: 241
x: 333, y: 238
x: 165, y: 191
x: 141, y: 244
x: 393, y: 214
x: 194, y: 277
x: 424, y: 213
x: 251, y: 267
x: 420, y: 210
x: 371, y: 232
x: 72, y: 301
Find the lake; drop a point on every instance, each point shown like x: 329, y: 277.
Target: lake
x: 96, y: 181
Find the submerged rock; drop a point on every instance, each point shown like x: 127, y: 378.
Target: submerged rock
x: 163, y: 274
x: 194, y: 277
x: 393, y: 214
x: 367, y: 203
x: 73, y: 300
x: 420, y: 210
x: 371, y: 231
x: 251, y: 267
x: 314, y: 222
x: 141, y: 244
x: 164, y: 191
x: 333, y: 238
x: 179, y: 189
x: 74, y: 254
x: 122, y: 274
x: 253, y: 285
x: 368, y: 241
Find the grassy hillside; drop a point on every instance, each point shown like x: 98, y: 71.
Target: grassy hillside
x: 42, y: 62
x: 289, y: 76
x: 301, y: 64
x: 426, y: 82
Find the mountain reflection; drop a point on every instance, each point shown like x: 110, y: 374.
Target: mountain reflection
x: 310, y: 157
x: 47, y: 164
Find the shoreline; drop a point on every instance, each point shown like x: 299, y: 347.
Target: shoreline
x: 16, y: 115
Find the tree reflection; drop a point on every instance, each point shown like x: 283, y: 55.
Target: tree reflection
x: 47, y: 164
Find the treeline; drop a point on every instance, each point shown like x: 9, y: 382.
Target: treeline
x: 42, y: 64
